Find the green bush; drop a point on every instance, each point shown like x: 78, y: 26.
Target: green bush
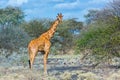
x: 34, y: 28
x: 13, y: 38
x: 103, y: 39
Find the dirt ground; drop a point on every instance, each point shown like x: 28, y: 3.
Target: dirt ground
x: 60, y: 67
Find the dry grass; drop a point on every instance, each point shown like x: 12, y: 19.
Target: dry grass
x: 60, y: 67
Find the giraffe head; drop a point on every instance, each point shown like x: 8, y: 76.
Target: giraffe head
x: 59, y: 17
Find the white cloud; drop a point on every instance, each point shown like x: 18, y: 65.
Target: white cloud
x: 57, y: 0
x: 16, y: 2
x: 98, y: 1
x: 69, y: 5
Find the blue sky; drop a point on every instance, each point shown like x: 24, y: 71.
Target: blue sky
x: 49, y: 8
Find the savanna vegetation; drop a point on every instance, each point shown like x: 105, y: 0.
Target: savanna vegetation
x: 15, y: 32
x: 100, y: 34
x: 95, y: 41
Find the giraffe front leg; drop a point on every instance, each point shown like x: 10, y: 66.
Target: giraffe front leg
x: 45, y: 62
x: 46, y: 49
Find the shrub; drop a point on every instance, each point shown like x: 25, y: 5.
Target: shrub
x: 103, y: 39
x: 13, y: 38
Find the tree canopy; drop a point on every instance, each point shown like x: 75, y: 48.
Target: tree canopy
x: 102, y: 34
x: 11, y: 16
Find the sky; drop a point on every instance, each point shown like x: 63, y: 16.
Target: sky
x: 37, y: 9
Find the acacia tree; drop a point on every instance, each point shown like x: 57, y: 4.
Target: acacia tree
x: 36, y: 27
x: 12, y: 36
x: 108, y: 14
x: 91, y: 16
x: 102, y: 36
x: 11, y: 16
x: 67, y: 33
x: 115, y: 7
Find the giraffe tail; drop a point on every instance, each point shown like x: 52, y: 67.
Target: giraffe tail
x: 29, y: 64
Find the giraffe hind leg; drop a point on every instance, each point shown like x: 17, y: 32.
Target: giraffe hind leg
x: 32, y: 57
x: 31, y: 61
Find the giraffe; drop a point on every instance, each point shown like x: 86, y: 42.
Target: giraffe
x: 43, y: 44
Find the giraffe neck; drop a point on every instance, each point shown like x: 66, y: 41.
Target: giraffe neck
x: 52, y: 29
